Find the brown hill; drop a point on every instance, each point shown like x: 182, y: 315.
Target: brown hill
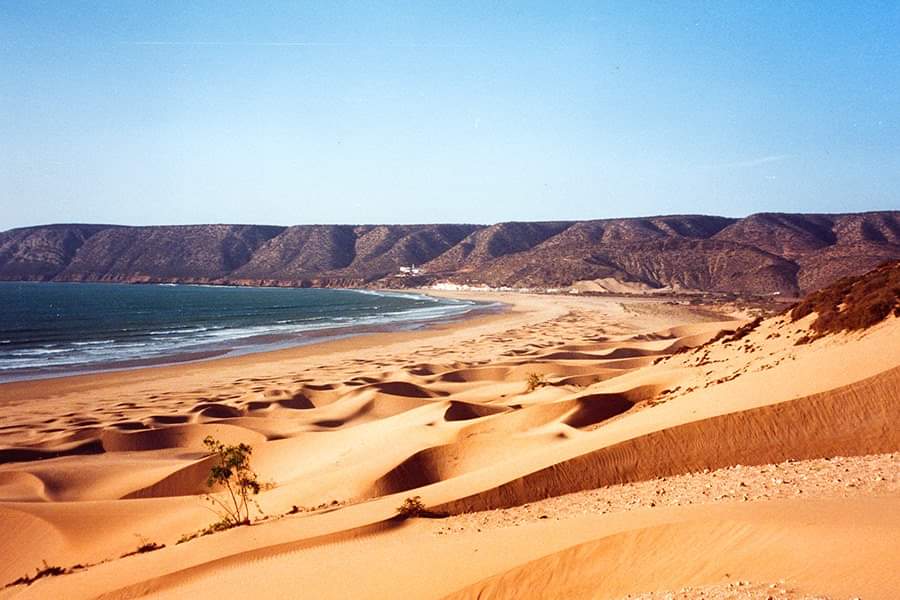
x: 301, y: 250
x: 487, y: 244
x: 759, y: 254
x: 36, y: 253
x: 184, y: 253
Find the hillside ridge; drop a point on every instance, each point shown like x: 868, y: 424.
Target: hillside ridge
x: 765, y: 253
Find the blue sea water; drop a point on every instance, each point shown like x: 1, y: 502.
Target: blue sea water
x: 56, y: 328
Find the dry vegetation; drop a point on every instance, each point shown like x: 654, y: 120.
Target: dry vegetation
x: 853, y: 303
x: 535, y: 380
x: 41, y: 572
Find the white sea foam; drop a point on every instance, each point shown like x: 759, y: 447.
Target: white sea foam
x: 156, y: 344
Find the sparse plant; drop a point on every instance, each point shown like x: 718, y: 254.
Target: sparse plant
x: 535, y: 380
x: 40, y: 573
x: 209, y: 530
x: 232, y: 472
x: 414, y: 507
x: 411, y: 507
x: 144, y: 546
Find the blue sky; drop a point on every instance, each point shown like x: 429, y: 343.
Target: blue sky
x: 325, y: 112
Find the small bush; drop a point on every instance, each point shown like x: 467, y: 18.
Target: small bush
x: 233, y: 473
x: 411, y: 507
x: 535, y: 380
x: 414, y: 507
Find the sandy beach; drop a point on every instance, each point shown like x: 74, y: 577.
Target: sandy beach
x: 574, y: 447
x: 449, y: 300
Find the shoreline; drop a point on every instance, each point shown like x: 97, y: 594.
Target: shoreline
x: 35, y: 406
x: 258, y: 344
x: 364, y: 338
x: 514, y: 309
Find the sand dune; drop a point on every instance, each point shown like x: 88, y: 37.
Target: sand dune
x: 801, y: 541
x: 556, y: 395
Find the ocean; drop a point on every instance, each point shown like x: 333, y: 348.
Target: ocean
x: 50, y: 329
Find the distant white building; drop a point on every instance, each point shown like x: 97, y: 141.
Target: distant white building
x: 464, y: 287
x: 453, y: 287
x: 410, y: 271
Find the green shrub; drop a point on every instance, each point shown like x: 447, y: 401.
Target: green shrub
x: 232, y: 472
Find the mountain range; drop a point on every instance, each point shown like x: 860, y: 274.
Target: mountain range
x: 763, y: 253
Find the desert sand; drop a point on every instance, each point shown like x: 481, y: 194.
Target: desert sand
x: 579, y: 447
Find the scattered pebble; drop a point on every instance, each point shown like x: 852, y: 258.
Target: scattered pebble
x: 732, y: 590
x: 862, y: 475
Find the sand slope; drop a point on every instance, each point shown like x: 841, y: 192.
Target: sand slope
x: 558, y: 395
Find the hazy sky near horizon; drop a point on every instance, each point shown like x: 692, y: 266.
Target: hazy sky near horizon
x: 146, y: 112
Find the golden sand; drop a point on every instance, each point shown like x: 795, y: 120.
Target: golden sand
x: 559, y: 397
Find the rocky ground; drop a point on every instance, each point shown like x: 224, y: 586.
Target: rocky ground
x: 737, y: 590
x: 840, y: 476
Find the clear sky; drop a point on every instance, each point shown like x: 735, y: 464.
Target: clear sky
x: 323, y: 112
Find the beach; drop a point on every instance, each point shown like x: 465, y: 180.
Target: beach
x: 578, y: 447
x: 57, y: 329
x: 449, y: 301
